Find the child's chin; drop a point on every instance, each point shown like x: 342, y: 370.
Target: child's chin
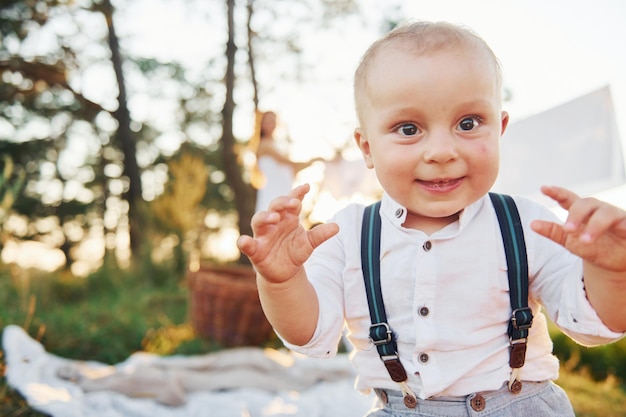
x: 449, y: 212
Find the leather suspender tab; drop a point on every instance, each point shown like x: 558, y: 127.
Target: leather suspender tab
x: 517, y: 353
x: 395, y: 368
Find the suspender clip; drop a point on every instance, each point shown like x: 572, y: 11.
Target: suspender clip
x: 522, y: 318
x: 375, y: 334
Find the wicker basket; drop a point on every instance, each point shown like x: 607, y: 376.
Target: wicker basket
x: 225, y: 306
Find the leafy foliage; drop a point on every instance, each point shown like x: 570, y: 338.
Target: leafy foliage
x: 599, y: 362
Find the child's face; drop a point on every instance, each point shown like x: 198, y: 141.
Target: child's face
x: 431, y: 125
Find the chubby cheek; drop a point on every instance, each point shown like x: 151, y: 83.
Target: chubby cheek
x: 376, y: 157
x: 393, y: 170
x: 485, y: 148
x: 487, y: 160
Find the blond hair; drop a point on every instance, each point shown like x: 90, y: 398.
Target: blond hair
x: 421, y: 37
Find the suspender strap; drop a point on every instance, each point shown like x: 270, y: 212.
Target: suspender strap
x: 380, y: 333
x: 517, y: 265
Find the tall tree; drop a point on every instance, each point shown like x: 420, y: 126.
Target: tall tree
x: 124, y: 136
x: 40, y: 90
x: 40, y: 112
x: 44, y: 113
x: 244, y: 193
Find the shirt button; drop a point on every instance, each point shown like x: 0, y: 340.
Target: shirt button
x: 399, y: 212
x: 423, y: 357
x: 423, y: 311
x: 427, y: 245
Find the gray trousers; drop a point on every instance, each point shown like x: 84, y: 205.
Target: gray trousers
x: 537, y: 399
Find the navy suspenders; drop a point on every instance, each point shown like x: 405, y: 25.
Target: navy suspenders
x: 517, y: 266
x: 382, y: 335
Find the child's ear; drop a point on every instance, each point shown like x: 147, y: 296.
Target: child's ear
x: 504, y: 121
x: 364, y: 146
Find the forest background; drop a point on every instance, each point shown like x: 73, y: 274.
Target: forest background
x: 120, y: 170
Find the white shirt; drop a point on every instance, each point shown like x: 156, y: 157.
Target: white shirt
x: 461, y: 345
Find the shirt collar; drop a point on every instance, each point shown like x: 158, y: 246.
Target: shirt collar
x: 396, y: 213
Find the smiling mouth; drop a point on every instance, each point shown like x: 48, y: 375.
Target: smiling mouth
x: 441, y: 185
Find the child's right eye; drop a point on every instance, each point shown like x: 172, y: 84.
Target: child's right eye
x: 408, y: 129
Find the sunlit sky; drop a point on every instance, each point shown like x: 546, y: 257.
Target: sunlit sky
x: 551, y: 52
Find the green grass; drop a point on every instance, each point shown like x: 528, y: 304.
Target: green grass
x: 111, y: 314
x: 594, y: 398
x: 104, y: 317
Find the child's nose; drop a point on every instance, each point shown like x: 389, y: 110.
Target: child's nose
x: 440, y: 147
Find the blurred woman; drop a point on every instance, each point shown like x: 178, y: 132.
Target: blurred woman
x: 277, y: 169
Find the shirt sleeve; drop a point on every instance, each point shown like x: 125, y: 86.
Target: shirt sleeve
x: 556, y: 281
x: 580, y: 321
x: 325, y: 272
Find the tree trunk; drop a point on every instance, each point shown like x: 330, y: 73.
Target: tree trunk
x: 244, y: 193
x: 125, y: 139
x: 255, y: 87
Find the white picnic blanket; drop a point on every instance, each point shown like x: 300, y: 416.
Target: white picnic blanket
x: 45, y: 380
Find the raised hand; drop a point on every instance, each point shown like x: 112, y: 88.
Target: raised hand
x: 280, y: 244
x: 594, y: 230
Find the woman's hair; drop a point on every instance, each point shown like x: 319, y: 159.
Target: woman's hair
x: 263, y: 126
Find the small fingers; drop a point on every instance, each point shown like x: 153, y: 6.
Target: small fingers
x: 580, y: 213
x: 323, y: 232
x: 550, y: 230
x: 564, y: 197
x: 291, y: 201
x: 593, y: 219
x: 285, y: 203
x: 587, y: 217
x: 246, y: 245
x: 262, y: 221
x: 300, y: 191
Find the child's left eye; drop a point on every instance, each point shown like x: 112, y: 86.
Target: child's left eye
x: 468, y: 123
x: 408, y: 129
